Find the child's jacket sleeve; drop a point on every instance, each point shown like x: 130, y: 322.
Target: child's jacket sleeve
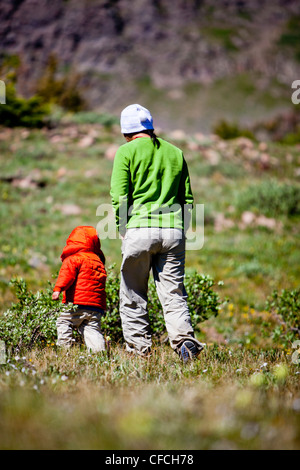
x: 67, y: 275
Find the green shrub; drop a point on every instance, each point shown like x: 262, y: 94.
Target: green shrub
x: 271, y: 198
x: 32, y: 320
x: 287, y: 306
x: 227, y: 131
x: 203, y: 303
x: 19, y: 111
x: 291, y: 138
x: 291, y: 36
x: 62, y: 91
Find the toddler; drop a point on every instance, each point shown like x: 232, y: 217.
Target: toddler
x: 82, y: 278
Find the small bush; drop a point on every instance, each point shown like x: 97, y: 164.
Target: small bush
x: 291, y: 36
x: 32, y: 320
x: 63, y: 91
x: 203, y: 303
x: 291, y: 138
x: 228, y: 131
x: 287, y: 306
x: 271, y: 198
x: 19, y: 111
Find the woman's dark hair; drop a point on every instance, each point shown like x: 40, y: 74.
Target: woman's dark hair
x: 150, y: 132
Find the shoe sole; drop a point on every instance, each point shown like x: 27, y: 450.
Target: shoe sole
x: 187, y: 354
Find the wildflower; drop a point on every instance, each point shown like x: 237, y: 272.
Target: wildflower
x: 64, y: 378
x: 264, y: 365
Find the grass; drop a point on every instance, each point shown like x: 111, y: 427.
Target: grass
x: 242, y: 393
x: 226, y: 400
x: 197, y: 107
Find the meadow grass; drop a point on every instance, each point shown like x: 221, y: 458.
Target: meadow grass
x: 242, y: 392
x: 227, y: 399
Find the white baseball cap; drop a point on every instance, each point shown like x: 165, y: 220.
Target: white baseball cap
x: 135, y: 118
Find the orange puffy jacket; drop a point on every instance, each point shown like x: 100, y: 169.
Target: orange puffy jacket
x: 82, y: 275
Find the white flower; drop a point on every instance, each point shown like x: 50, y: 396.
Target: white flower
x: 264, y: 365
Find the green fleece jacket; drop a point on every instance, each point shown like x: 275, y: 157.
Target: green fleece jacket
x: 150, y: 186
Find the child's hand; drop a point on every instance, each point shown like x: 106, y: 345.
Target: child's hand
x: 55, y: 295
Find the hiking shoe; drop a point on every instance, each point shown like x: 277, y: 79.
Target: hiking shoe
x: 188, y: 350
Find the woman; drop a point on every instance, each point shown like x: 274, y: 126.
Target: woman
x: 150, y: 190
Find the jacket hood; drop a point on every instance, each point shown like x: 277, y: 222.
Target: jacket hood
x: 82, y: 239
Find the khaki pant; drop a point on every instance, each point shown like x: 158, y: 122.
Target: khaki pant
x: 163, y: 250
x: 88, y: 324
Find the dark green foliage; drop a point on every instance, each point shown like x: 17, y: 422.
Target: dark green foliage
x: 291, y: 138
x: 32, y: 320
x: 271, y: 198
x: 19, y: 111
x: 291, y: 36
x: 61, y: 91
x: 203, y: 303
x: 111, y: 322
x: 227, y: 130
x: 287, y: 305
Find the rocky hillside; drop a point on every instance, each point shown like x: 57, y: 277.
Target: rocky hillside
x: 121, y: 49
